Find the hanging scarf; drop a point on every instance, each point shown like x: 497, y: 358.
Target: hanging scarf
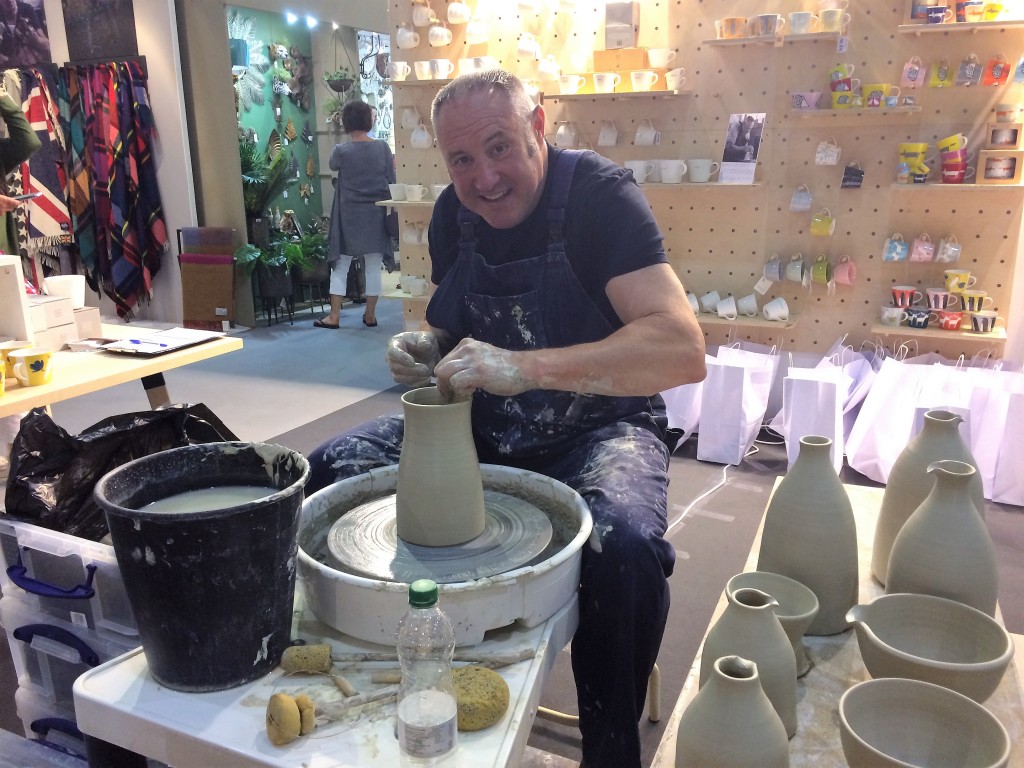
x: 48, y: 220
x: 73, y: 90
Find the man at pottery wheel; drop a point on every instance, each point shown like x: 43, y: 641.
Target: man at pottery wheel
x: 556, y: 310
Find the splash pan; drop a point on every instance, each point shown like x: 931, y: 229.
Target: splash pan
x: 369, y: 608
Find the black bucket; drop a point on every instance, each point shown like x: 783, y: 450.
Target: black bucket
x: 211, y: 590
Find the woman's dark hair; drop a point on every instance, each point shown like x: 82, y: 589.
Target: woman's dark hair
x: 356, y: 116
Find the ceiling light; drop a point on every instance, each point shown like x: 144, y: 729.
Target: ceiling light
x: 311, y: 22
x: 290, y: 17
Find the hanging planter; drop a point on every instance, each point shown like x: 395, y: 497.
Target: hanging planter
x: 339, y: 81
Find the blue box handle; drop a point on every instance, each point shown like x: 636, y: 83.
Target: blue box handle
x: 44, y: 725
x: 26, y: 633
x: 19, y: 575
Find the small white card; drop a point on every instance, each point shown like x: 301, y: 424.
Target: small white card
x: 763, y: 285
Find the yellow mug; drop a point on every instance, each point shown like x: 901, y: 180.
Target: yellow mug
x: 3, y: 378
x: 952, y: 143
x: 32, y: 366
x: 822, y: 224
x: 959, y: 280
x: 842, y: 99
x: 5, y: 350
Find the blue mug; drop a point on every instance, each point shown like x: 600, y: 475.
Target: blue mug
x: 918, y: 317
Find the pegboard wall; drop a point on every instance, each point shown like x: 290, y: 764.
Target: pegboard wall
x: 719, y: 236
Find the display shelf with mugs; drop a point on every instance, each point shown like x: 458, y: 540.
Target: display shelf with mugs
x: 591, y: 96
x: 962, y: 26
x: 855, y: 113
x: 769, y: 40
x: 742, y: 321
x: 964, y: 334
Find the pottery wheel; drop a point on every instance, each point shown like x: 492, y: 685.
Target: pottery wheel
x: 364, y: 541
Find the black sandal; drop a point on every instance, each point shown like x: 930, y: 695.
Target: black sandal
x: 322, y: 324
x: 369, y: 325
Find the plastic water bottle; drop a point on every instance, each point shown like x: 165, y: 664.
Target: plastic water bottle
x: 427, y: 709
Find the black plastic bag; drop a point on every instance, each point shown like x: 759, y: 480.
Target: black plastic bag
x: 53, y: 473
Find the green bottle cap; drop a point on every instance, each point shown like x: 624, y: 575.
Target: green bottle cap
x: 422, y: 593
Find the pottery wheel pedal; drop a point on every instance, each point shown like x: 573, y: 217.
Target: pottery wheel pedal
x: 364, y: 542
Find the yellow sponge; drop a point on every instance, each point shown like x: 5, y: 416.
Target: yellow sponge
x: 482, y: 697
x: 306, y: 658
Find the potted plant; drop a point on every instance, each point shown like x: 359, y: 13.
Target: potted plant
x: 338, y: 80
x: 273, y: 266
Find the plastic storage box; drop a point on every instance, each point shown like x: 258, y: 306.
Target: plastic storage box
x: 45, y: 721
x: 71, y: 579
x: 50, y: 654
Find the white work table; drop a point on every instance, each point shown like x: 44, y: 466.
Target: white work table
x: 79, y: 373
x: 837, y: 666
x: 119, y: 702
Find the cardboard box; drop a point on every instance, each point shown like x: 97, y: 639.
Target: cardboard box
x: 998, y: 167
x: 207, y: 290
x: 14, y: 320
x: 56, y: 337
x: 1004, y: 136
x: 621, y: 25
x: 49, y: 312
x: 620, y: 60
x: 87, y: 321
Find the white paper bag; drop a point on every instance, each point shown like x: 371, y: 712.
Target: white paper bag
x: 682, y: 406
x: 813, y: 405
x: 1008, y: 483
x: 732, y: 408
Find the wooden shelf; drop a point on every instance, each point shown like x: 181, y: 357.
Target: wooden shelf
x: 695, y: 184
x: 424, y: 83
x: 706, y: 318
x: 834, y: 113
x: 959, y: 26
x: 609, y: 96
x: 939, y: 185
x: 771, y: 40
x: 405, y: 295
x: 999, y: 334
x: 405, y: 203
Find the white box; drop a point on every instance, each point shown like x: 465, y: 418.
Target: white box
x: 50, y: 311
x: 87, y: 321
x: 14, y: 320
x: 55, y: 337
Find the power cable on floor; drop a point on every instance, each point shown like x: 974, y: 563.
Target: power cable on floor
x: 686, y: 510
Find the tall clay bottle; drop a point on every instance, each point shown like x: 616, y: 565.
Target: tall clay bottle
x: 440, y: 494
x: 909, y: 482
x: 730, y: 723
x: 748, y: 627
x: 810, y: 535
x: 944, y: 548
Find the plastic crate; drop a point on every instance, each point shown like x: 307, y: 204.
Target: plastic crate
x: 71, y: 579
x: 45, y: 721
x: 50, y: 654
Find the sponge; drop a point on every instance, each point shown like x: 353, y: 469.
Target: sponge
x: 307, y: 658
x: 284, y: 722
x: 482, y: 696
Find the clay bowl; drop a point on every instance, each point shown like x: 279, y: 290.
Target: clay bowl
x: 897, y: 723
x: 933, y: 639
x: 796, y: 609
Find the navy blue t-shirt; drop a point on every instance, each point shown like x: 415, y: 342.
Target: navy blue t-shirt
x: 609, y: 230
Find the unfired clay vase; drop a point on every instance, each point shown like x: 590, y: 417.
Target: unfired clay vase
x: 944, y: 548
x: 748, y: 627
x: 796, y: 609
x: 810, y: 535
x: 730, y: 723
x: 930, y: 638
x: 893, y: 723
x: 909, y: 483
x: 440, y: 495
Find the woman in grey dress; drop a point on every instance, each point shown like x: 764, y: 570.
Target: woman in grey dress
x: 365, y: 167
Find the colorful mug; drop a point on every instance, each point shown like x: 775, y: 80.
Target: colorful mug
x: 919, y: 317
x: 959, y: 280
x: 905, y: 296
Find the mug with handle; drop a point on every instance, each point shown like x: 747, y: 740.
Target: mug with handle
x: 701, y: 170
x: 33, y: 366
x: 845, y: 271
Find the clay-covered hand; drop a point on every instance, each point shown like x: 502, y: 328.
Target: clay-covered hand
x: 476, y: 365
x: 411, y: 356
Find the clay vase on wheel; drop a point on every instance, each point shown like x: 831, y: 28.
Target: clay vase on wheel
x: 440, y: 494
x: 730, y: 723
x: 944, y: 549
x: 748, y: 627
x: 909, y: 482
x: 810, y: 535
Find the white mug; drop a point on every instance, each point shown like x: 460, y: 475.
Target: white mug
x: 709, y: 301
x: 702, y: 170
x: 410, y: 118
x: 660, y: 58
x: 646, y: 134
x: 565, y: 135
x: 477, y: 32
x: 747, y: 305
x: 420, y: 138
x: 411, y: 234
x: 414, y: 192
x: 407, y: 38
x: 641, y: 169
x: 422, y: 70
x: 833, y: 20
x: 803, y: 22
x: 776, y: 309
x: 675, y: 79
x: 608, y: 136
x: 439, y: 35
x: 441, y: 69
x: 437, y: 189
x: 458, y: 12
x: 568, y: 84
x: 548, y: 68
x: 397, y: 191
x: 399, y: 70
x: 694, y: 302
x: 726, y: 308
x: 672, y: 171
x: 528, y: 46
x: 606, y: 82
x: 643, y: 79
x: 422, y: 14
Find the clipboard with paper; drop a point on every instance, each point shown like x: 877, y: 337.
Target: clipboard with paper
x: 161, y: 342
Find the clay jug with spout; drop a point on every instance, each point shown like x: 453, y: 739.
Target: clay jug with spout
x: 810, y: 535
x: 730, y: 723
x: 440, y: 496
x: 748, y: 627
x: 909, y: 482
x: 944, y: 548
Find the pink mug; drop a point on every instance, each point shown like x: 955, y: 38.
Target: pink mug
x: 845, y: 271
x: 905, y: 296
